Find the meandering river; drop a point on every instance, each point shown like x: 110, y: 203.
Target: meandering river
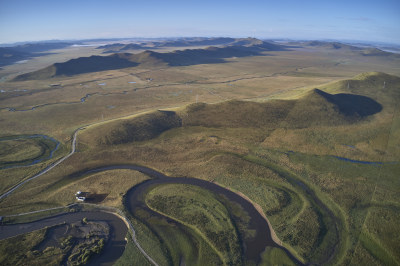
x: 253, y: 247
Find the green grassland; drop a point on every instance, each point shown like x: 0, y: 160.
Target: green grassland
x: 26, y: 250
x: 132, y: 256
x: 169, y: 244
x: 201, y: 211
x: 24, y: 150
x: 14, y: 150
x: 20, y: 250
x: 278, y: 153
x: 25, y: 165
x: 275, y: 256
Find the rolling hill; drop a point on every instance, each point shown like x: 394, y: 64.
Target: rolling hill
x: 376, y: 85
x: 315, y: 108
x: 332, y: 45
x: 79, y: 66
x: 210, y: 55
x: 346, y: 47
x: 377, y: 52
x: 141, y: 128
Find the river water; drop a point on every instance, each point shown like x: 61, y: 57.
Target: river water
x: 253, y: 247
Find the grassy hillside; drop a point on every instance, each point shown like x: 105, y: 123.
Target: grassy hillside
x: 332, y: 45
x: 79, y: 66
x: 350, y: 48
x: 316, y: 108
x: 140, y: 128
x: 236, y: 114
x: 379, y: 86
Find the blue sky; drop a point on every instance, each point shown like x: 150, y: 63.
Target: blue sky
x: 32, y: 20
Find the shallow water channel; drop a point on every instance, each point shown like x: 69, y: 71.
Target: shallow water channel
x: 42, y: 157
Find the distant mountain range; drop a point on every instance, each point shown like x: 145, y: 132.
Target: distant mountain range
x: 188, y: 42
x: 10, y: 55
x: 227, y: 48
x: 210, y: 55
x: 340, y: 46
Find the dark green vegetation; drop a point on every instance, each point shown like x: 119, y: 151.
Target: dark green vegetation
x: 204, y: 214
x: 260, y: 125
x: 275, y: 256
x: 141, y: 128
x: 73, y: 244
x: 132, y: 256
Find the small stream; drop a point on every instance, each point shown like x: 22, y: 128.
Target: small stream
x: 36, y: 160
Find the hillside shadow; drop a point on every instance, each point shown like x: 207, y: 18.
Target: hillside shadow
x: 11, y: 57
x: 211, y: 55
x: 352, y: 104
x: 92, y: 64
x: 96, y: 198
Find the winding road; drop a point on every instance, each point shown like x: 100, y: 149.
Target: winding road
x: 47, y: 169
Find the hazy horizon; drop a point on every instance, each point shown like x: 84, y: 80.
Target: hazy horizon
x: 22, y: 20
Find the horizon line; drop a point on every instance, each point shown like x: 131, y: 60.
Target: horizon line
x: 3, y: 44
